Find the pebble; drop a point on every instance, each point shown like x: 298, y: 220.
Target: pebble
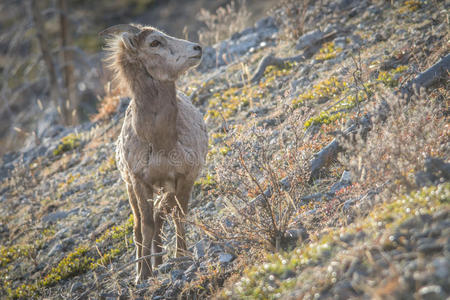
x: 309, y: 39
x: 176, y: 274
x: 441, y: 267
x: 431, y: 292
x: 225, y: 258
x: 429, y: 248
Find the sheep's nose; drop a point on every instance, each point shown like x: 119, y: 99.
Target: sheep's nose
x: 198, y: 48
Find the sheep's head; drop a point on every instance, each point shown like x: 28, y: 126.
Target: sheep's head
x: 164, y: 57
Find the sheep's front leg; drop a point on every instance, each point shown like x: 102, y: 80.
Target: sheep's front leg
x: 157, y: 243
x: 144, y: 195
x: 183, y: 194
x: 137, y: 225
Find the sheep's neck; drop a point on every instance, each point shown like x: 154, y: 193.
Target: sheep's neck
x: 154, y: 112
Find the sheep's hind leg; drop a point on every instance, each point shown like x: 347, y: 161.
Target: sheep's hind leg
x: 137, y: 225
x: 144, y: 195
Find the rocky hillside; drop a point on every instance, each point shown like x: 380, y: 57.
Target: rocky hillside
x: 327, y: 175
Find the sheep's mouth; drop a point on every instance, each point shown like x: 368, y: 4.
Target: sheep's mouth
x: 196, y: 56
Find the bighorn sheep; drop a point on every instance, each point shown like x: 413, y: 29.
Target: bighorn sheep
x: 163, y: 142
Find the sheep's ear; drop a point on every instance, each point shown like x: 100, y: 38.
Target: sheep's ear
x: 129, y: 40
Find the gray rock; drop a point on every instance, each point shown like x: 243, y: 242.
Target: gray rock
x: 62, y: 233
x: 176, y: 274
x: 431, y: 292
x: 347, y: 238
x: 435, y: 170
x: 189, y: 274
x: 309, y: 39
x: 225, y: 258
x: 373, y: 10
x: 55, y: 249
x: 210, y: 206
x: 214, y: 249
x: 441, y: 267
x: 239, y: 44
x: 58, y: 215
x: 344, y: 182
x: 285, y: 183
x: 266, y: 22
x: 166, y: 267
x: 143, y: 285
x: 340, y: 41
x: 4, y: 230
x: 199, y: 249
x: 191, y: 269
x: 344, y: 4
x: 430, y: 248
x: 314, y: 197
x: 292, y: 236
x: 343, y: 290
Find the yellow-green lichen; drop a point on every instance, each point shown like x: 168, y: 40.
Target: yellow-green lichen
x: 392, y: 77
x: 10, y: 254
x: 328, y: 51
x: 82, y: 259
x: 107, y: 165
x: 206, y: 181
x: 328, y: 88
x: 67, y: 143
x: 410, y: 5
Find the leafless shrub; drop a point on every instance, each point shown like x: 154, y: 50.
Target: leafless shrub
x: 394, y: 150
x: 226, y: 21
x: 261, y: 180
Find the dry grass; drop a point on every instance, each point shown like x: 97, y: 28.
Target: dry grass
x: 223, y: 23
x: 395, y: 149
x: 108, y: 105
x: 292, y: 17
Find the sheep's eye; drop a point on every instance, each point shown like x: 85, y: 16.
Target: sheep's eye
x: 155, y: 43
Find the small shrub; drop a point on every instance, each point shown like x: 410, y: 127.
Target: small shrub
x: 261, y: 180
